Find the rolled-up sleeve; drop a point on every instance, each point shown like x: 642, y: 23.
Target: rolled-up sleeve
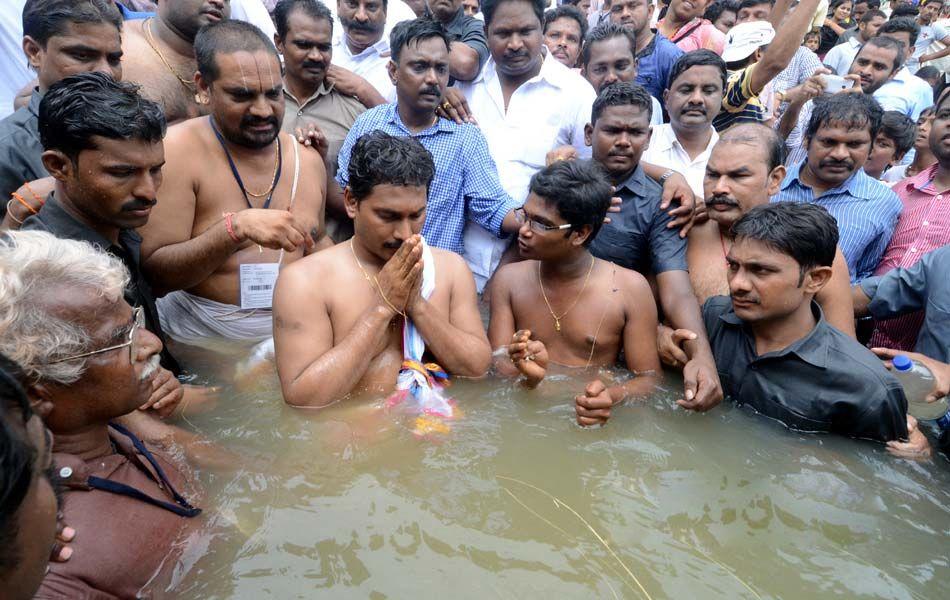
x: 898, y: 292
x: 667, y: 248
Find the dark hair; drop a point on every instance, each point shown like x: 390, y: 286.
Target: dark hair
x: 872, y: 4
x: 715, y: 10
x: 490, y: 6
x: 836, y: 3
x: 752, y: 3
x: 888, y: 43
x: 697, y: 58
x: 900, y: 128
x: 941, y: 99
x: 924, y: 3
x: 43, y: 19
x: 608, y: 31
x: 806, y: 232
x: 565, y: 11
x: 226, y: 37
x: 17, y: 459
x: 855, y: 111
x: 380, y: 159
x: 578, y: 189
x: 621, y: 93
x: 905, y: 10
x: 314, y: 9
x: 80, y: 107
x: 756, y: 132
x: 812, y: 33
x: 872, y: 14
x: 901, y: 24
x: 413, y: 32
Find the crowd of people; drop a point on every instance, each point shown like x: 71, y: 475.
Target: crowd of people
x: 755, y: 194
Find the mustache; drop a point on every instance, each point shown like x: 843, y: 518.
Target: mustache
x: 696, y: 107
x: 151, y: 366
x: 366, y: 26
x: 837, y: 163
x: 744, y: 298
x: 395, y: 245
x: 312, y: 64
x: 252, y: 121
x: 431, y: 90
x: 723, y: 199
x: 514, y: 55
x: 138, y: 205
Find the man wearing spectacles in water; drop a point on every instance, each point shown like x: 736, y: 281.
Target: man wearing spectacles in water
x: 87, y: 360
x: 563, y: 305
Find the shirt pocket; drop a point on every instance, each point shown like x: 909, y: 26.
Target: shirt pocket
x: 795, y: 412
x: 530, y: 145
x: 622, y: 246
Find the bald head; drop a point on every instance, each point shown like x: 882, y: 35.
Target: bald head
x: 762, y: 138
x: 228, y: 37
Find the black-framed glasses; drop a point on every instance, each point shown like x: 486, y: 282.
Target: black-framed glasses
x: 138, y: 322
x: 522, y: 217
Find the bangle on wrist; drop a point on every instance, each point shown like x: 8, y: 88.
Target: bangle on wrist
x: 10, y: 213
x: 229, y: 226
x: 669, y: 173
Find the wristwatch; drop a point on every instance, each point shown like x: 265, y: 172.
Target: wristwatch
x: 669, y: 173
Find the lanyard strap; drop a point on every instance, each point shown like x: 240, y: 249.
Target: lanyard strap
x: 181, y: 507
x: 237, y: 175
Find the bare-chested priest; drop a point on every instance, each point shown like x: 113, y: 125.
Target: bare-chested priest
x: 159, y: 53
x: 239, y: 199
x: 374, y: 312
x: 735, y: 183
x: 565, y: 306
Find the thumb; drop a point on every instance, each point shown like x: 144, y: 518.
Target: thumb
x: 683, y: 335
x: 689, y: 385
x: 595, y: 388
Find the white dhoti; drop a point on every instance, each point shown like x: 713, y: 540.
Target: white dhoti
x: 197, y: 321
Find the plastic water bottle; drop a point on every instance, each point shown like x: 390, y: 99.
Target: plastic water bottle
x: 918, y: 383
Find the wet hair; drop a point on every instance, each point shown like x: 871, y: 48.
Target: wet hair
x: 621, y: 93
x: 872, y: 14
x: 900, y: 128
x: 901, y: 24
x: 806, y: 232
x: 226, y: 37
x: 17, y: 460
x: 762, y: 134
x: 413, y: 32
x: 888, y: 43
x: 715, y: 10
x: 80, y: 107
x: 565, y: 11
x: 697, y: 58
x: 580, y: 191
x: 905, y: 11
x: 490, y: 6
x: 754, y: 3
x: 855, y: 111
x: 314, y: 9
x: 608, y: 31
x: 382, y: 159
x: 43, y: 19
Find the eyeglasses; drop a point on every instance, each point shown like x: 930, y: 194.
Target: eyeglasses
x: 138, y: 322
x: 522, y: 217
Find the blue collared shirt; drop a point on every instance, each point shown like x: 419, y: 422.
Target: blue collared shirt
x: 466, y: 182
x: 866, y: 211
x: 654, y: 64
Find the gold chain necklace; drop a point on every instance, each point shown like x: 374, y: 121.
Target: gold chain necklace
x: 273, y: 179
x: 147, y: 30
x: 374, y: 282
x: 557, y: 319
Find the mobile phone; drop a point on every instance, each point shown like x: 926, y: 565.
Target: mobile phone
x: 835, y: 83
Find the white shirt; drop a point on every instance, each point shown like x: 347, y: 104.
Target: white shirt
x: 255, y: 13
x: 547, y: 111
x: 905, y: 93
x: 397, y: 12
x: 666, y: 151
x: 14, y: 70
x: 840, y: 57
x: 371, y: 64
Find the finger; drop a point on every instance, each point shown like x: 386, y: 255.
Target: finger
x: 678, y: 356
x: 60, y: 553
x: 601, y: 414
x: 454, y: 114
x: 683, y: 335
x: 689, y: 387
x: 684, y: 231
x: 589, y: 422
x: 595, y: 388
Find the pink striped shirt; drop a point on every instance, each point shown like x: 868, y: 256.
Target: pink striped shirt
x: 924, y: 225
x: 698, y: 34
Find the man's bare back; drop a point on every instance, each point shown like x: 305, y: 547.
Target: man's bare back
x: 198, y: 187
x: 141, y: 64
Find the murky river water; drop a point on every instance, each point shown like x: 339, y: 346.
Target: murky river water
x: 518, y: 502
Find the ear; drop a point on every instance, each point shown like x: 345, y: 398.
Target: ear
x: 898, y: 157
x: 391, y: 67
x: 776, y: 177
x: 33, y: 51
x: 815, y: 279
x: 40, y: 400
x: 279, y: 45
x: 579, y: 236
x: 350, y: 203
x: 588, y: 134
x: 666, y: 94
x: 58, y: 165
x: 203, y: 87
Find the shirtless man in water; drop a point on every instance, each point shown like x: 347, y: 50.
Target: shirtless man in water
x: 239, y: 200
x: 563, y: 305
x: 734, y: 185
x: 159, y: 54
x: 339, y: 315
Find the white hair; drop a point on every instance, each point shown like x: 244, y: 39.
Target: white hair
x: 34, y: 264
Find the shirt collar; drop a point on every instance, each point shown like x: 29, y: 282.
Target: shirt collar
x: 381, y: 47
x: 923, y: 182
x: 392, y: 116
x: 59, y: 220
x: 813, y: 348
x: 852, y: 185
x: 35, y: 99
x: 552, y: 72
x: 664, y: 138
x: 635, y: 182
x: 323, y: 90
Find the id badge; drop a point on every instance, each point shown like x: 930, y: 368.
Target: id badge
x: 257, y: 284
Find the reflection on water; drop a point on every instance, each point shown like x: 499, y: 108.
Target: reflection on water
x: 516, y: 501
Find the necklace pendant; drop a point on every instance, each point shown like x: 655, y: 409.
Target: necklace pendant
x: 557, y: 325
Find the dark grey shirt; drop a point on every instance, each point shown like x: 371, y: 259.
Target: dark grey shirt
x: 924, y: 286
x: 471, y: 32
x: 54, y: 219
x: 20, y: 150
x: 637, y: 237
x: 825, y: 381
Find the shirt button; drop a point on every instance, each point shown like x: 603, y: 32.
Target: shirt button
x: 925, y: 223
x: 65, y: 472
x: 913, y: 249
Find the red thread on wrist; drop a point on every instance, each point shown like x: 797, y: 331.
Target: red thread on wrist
x: 229, y: 225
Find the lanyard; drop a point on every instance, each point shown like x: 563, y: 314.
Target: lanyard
x: 237, y: 176
x: 181, y: 507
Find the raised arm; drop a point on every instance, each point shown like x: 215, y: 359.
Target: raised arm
x: 463, y: 61
x: 788, y: 37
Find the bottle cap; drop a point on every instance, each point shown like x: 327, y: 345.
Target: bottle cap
x: 903, y: 363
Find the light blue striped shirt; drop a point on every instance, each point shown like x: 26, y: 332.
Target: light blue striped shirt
x: 866, y: 211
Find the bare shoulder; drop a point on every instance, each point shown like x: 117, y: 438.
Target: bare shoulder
x: 189, y: 137
x: 703, y: 234
x: 626, y: 280
x: 318, y: 267
x: 516, y: 271
x: 310, y: 159
x: 450, y: 262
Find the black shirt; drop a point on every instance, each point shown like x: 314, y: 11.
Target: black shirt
x: 54, y: 219
x: 825, y: 381
x: 20, y: 150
